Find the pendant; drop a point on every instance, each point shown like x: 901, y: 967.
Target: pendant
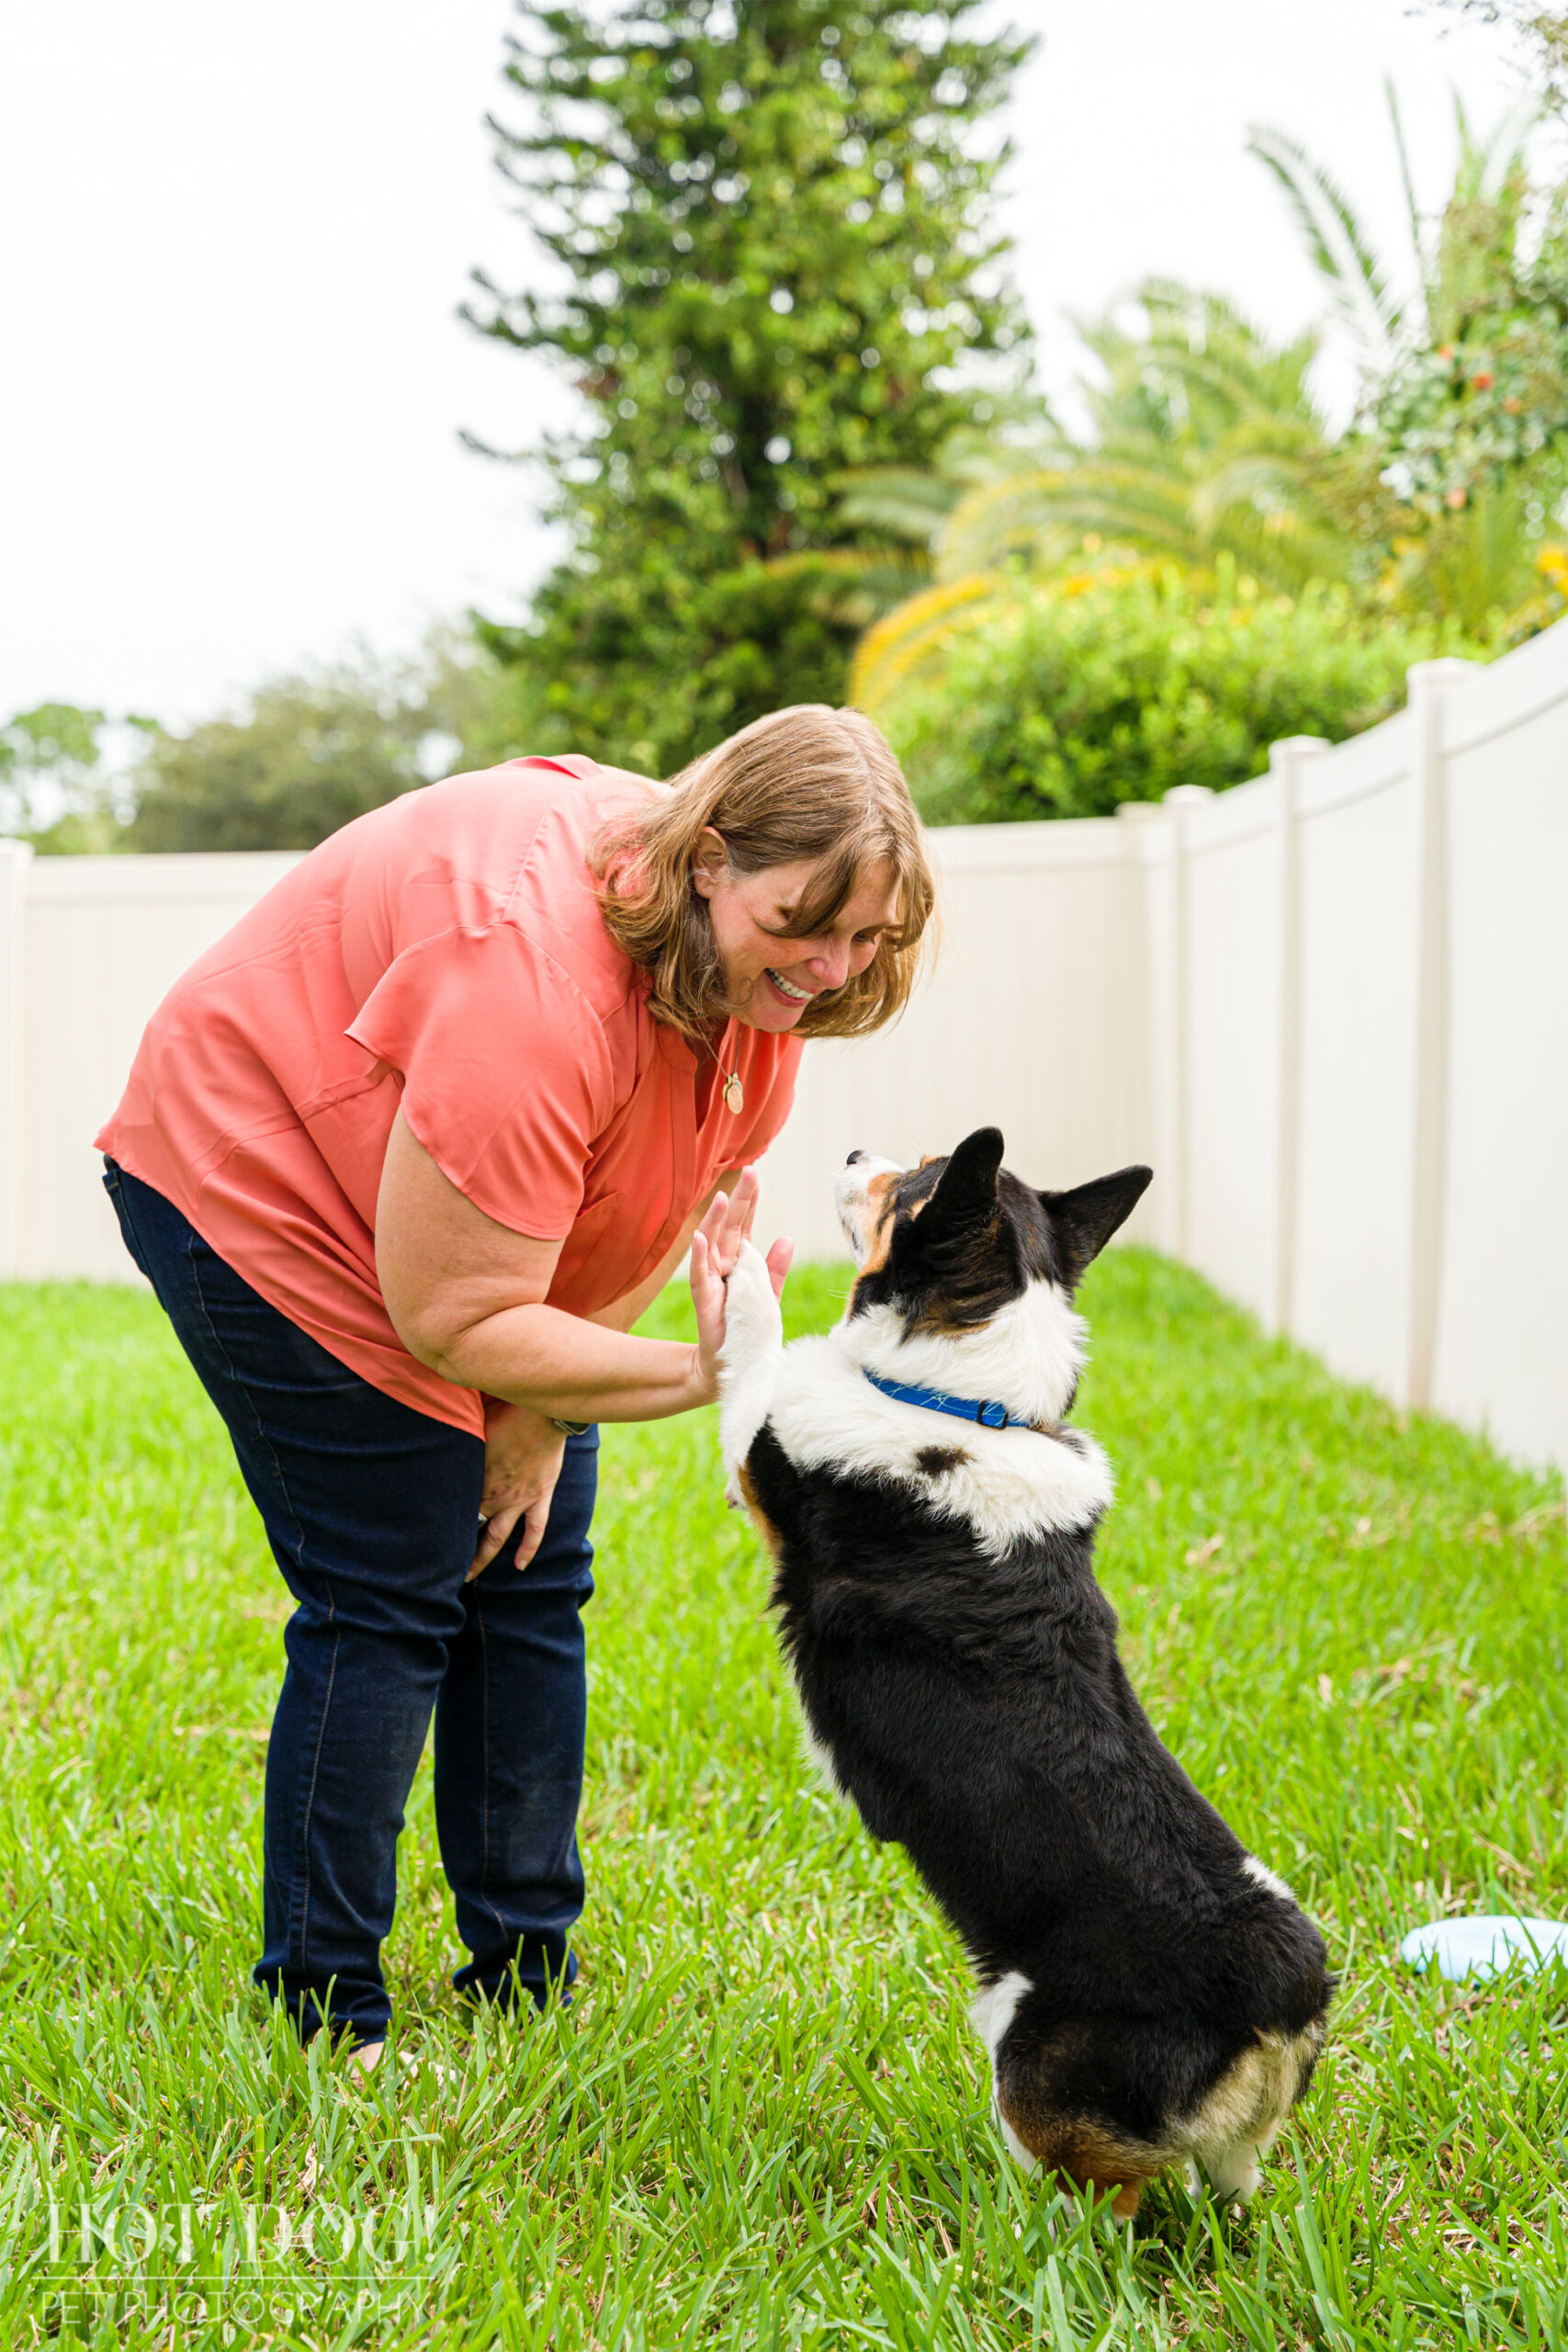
x: 734, y: 1094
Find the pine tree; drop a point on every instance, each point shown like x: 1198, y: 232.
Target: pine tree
x: 774, y: 219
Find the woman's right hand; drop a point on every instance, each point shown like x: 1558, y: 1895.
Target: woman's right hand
x: 715, y: 1250
x: 523, y: 1459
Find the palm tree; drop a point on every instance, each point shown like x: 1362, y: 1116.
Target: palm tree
x: 1205, y: 440
x: 1205, y: 448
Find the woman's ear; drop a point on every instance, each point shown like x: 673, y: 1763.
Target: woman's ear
x: 710, y: 864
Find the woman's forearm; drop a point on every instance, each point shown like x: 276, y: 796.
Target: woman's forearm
x: 567, y: 1367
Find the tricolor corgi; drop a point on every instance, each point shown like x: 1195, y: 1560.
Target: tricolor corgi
x: 1150, y: 1993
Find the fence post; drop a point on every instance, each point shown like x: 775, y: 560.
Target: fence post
x: 1182, y: 800
x: 1286, y: 759
x: 1139, y: 1037
x: 1428, y: 683
x: 15, y: 863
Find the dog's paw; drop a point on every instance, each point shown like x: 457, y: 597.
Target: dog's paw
x: 753, y: 1323
x: 749, y: 1359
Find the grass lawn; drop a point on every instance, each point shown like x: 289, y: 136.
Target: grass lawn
x: 765, y: 2122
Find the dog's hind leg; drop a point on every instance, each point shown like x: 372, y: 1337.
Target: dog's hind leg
x: 748, y: 1362
x: 1240, y: 2119
x: 1232, y: 2168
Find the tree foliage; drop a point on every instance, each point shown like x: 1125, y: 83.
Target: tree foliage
x: 1544, y: 33
x: 770, y: 220
x: 1481, y: 400
x: 1459, y: 455
x: 49, y: 768
x: 306, y: 755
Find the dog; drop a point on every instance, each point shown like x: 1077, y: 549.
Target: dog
x: 1150, y: 1993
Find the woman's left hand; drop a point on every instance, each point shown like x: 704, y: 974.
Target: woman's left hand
x: 523, y: 1459
x: 715, y: 1250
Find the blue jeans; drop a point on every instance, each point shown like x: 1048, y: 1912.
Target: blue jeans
x: 372, y: 1512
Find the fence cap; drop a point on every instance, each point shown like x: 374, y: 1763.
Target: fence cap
x: 1444, y: 665
x: 1296, y: 747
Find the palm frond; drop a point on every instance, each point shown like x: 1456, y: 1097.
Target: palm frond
x: 1502, y: 155
x: 1407, y: 182
x: 913, y: 502
x: 916, y: 634
x: 997, y: 520
x: 860, y: 584
x: 1338, y: 245
x: 910, y: 502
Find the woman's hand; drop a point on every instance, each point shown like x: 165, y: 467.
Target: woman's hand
x: 523, y: 1459
x: 715, y: 1249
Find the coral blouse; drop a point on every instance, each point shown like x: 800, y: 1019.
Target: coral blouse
x: 446, y: 955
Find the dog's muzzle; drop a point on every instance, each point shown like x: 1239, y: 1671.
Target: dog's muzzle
x: 854, y: 1199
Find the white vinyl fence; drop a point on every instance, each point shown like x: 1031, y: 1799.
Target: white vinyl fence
x: 1329, y: 1007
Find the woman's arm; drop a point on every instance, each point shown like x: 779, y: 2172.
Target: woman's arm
x: 466, y: 1296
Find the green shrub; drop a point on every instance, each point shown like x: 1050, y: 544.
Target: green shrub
x: 1063, y: 701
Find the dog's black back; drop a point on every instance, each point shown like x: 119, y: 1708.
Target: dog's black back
x: 977, y: 1712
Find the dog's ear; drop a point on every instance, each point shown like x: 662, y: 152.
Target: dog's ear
x: 1083, y: 1221
x: 966, y: 1190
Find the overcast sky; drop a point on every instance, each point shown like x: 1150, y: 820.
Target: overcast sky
x: 235, y: 240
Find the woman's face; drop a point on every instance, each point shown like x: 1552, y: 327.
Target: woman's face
x: 771, y: 973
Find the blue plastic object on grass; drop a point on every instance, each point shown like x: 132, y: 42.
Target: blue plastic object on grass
x: 1483, y: 1947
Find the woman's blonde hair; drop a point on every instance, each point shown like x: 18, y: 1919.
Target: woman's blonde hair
x: 809, y: 783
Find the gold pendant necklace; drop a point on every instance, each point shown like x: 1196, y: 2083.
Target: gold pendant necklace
x: 733, y: 1092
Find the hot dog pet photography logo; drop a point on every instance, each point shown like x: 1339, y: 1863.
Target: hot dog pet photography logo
x: 235, y: 2263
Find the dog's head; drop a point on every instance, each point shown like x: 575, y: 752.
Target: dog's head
x: 951, y: 1243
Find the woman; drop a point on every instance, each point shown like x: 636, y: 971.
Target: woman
x: 405, y: 1156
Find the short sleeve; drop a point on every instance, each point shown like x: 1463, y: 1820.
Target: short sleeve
x: 506, y: 1070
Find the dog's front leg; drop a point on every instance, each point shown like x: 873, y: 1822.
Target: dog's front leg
x: 748, y: 1360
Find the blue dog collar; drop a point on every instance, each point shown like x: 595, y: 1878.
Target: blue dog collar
x: 983, y: 1409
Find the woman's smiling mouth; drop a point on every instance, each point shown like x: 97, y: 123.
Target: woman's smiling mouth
x: 787, y: 989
